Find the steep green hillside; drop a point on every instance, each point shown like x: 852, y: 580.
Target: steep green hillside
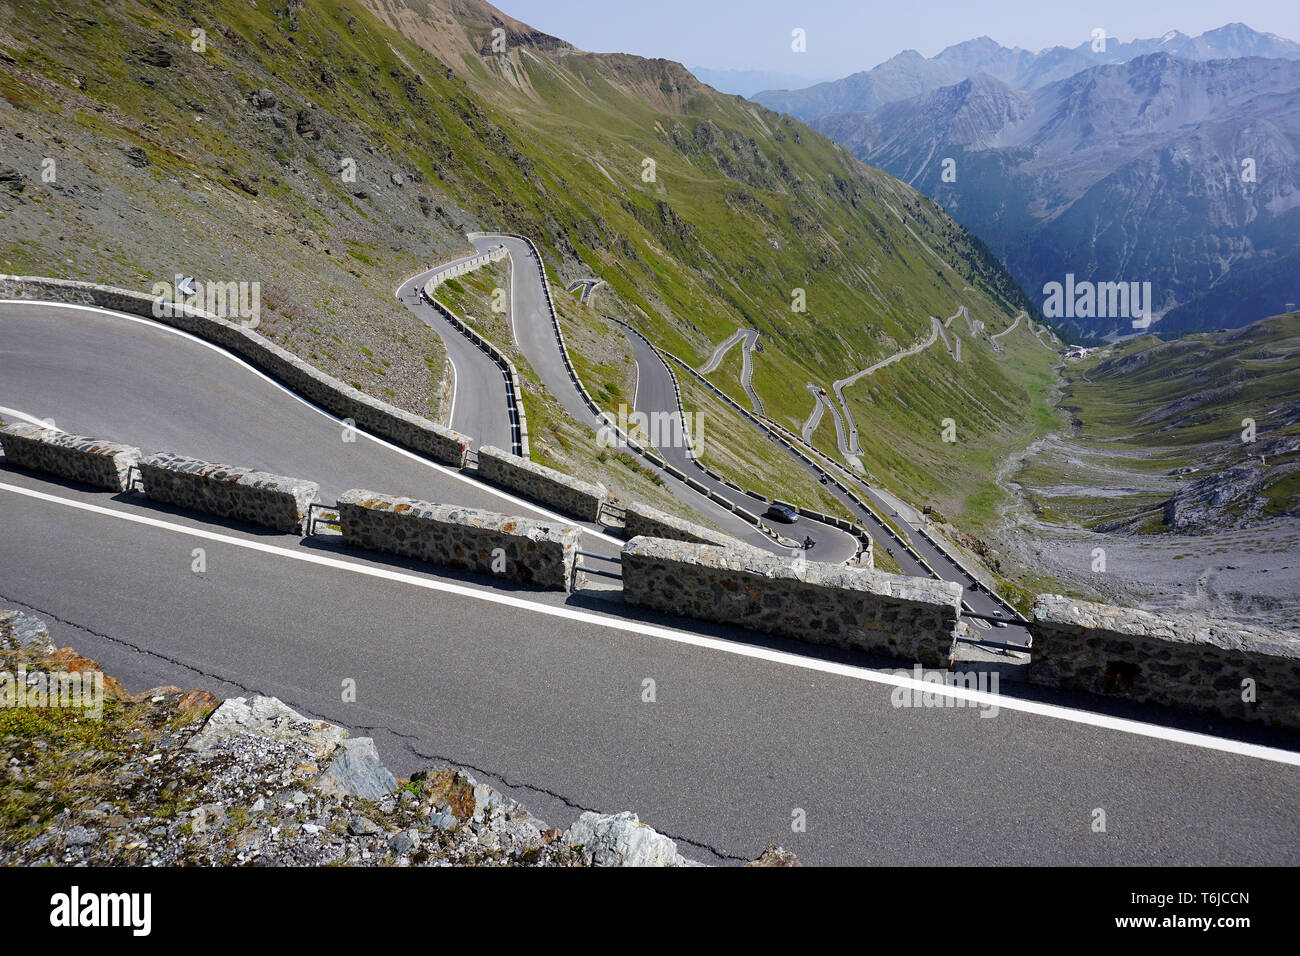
x: 230, y: 160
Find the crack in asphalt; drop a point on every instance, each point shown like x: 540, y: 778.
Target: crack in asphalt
x: 125, y: 643
x: 568, y: 802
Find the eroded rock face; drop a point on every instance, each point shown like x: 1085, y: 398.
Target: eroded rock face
x: 621, y: 839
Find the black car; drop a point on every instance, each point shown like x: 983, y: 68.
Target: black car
x: 782, y: 513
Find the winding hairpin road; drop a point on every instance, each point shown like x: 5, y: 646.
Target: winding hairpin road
x: 749, y: 338
x: 540, y: 694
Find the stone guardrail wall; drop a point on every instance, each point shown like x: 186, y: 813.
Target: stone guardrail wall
x: 229, y: 491
x: 514, y: 396
x: 642, y: 520
x: 368, y: 413
x: 521, y: 549
x: 1175, y: 660
x: 568, y: 495
x: 104, y: 464
x: 916, y: 619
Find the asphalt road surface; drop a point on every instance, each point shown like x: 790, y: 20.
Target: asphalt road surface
x: 543, y: 697
x: 480, y: 408
x: 655, y: 395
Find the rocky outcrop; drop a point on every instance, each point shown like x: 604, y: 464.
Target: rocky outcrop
x: 259, y: 783
x: 265, y: 717
x: 621, y: 839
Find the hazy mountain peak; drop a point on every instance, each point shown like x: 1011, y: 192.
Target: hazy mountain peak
x: 909, y: 74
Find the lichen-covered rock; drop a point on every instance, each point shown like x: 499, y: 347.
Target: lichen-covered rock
x: 94, y: 461
x: 19, y: 630
x: 620, y: 839
x: 356, y: 771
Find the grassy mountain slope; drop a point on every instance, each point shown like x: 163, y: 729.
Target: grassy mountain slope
x: 243, y: 144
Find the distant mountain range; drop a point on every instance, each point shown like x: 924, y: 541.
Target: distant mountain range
x: 1162, y: 167
x: 909, y: 74
x: 748, y: 82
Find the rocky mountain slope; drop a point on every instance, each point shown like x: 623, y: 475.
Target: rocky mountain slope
x: 1179, y: 173
x: 909, y: 74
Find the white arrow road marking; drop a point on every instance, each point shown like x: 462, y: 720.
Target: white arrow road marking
x: 1088, y: 718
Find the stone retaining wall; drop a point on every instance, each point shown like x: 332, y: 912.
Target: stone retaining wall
x: 642, y: 520
x: 104, y: 464
x: 230, y: 491
x: 915, y: 619
x: 367, y: 412
x: 533, y: 552
x: 1176, y: 660
x: 564, y: 493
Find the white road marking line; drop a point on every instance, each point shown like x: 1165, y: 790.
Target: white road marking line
x: 455, y: 382
x: 1088, y: 718
x: 450, y: 472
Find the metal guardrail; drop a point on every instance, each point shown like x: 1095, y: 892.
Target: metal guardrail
x: 313, y: 515
x: 995, y: 645
x: 617, y: 575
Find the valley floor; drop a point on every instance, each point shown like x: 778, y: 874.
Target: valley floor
x: 1250, y: 574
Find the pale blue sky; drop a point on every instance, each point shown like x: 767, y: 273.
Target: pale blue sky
x: 844, y: 37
